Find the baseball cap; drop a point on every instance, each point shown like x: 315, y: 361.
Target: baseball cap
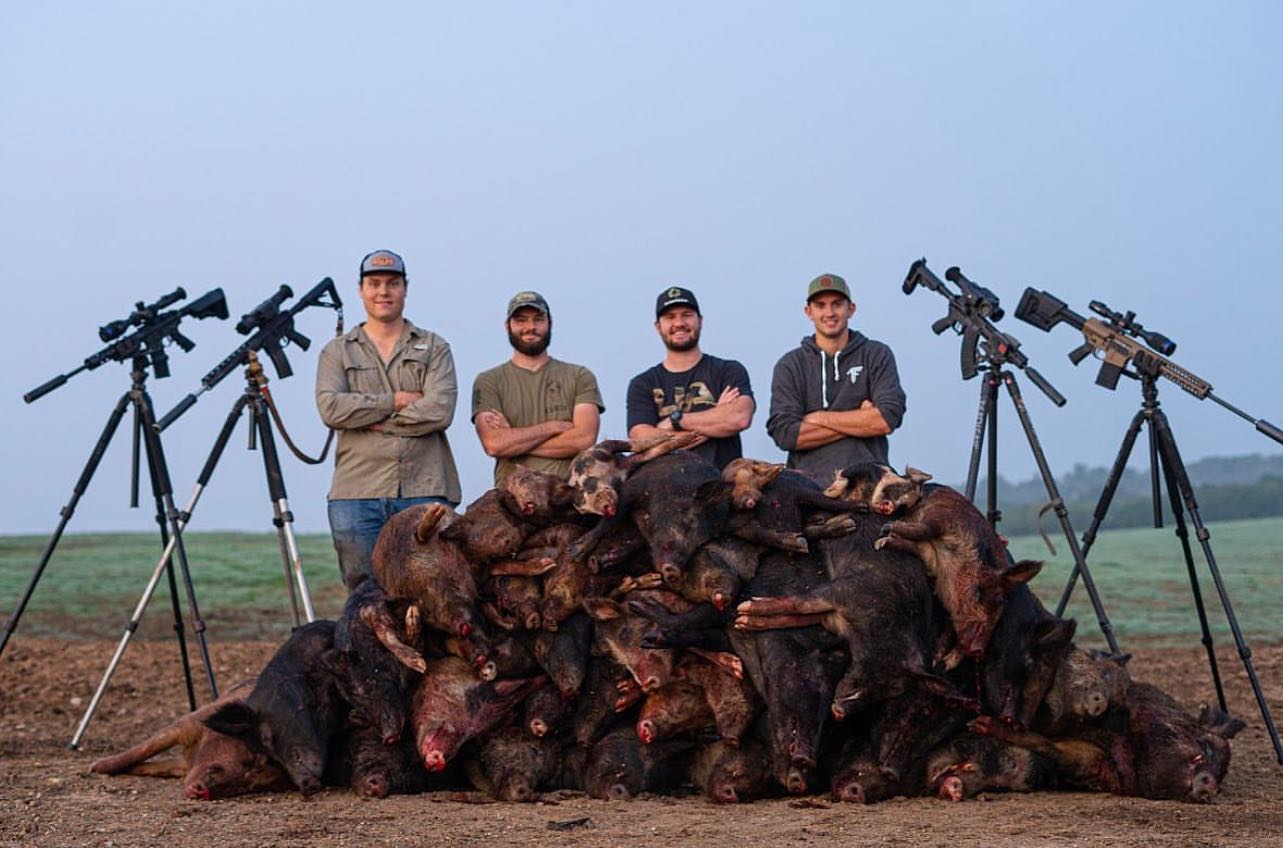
x: 382, y: 262
x: 675, y: 296
x: 828, y: 283
x: 527, y: 299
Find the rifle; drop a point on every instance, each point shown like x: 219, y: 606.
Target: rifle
x: 1118, y: 340
x: 275, y: 331
x: 970, y: 313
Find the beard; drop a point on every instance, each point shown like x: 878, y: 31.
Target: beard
x: 533, y: 348
x: 681, y: 347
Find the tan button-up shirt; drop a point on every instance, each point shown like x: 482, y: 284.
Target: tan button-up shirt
x: 410, y: 457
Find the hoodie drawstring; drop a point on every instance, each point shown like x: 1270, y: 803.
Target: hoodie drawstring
x: 824, y: 384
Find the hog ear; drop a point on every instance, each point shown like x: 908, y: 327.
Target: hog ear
x: 916, y: 476
x: 563, y: 494
x: 428, y: 523
x: 1020, y: 572
x: 1055, y: 632
x: 768, y: 470
x: 509, y: 502
x: 237, y: 720
x: 713, y: 491
x: 1223, y: 725
x: 839, y: 485
x: 603, y: 609
x: 334, y: 663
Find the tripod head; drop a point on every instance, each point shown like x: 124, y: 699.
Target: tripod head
x: 972, y: 311
x: 146, y: 344
x: 1115, y: 341
x: 273, y: 330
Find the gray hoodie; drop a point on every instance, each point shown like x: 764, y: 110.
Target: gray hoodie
x: 807, y: 379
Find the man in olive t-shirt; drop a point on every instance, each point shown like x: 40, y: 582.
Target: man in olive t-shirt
x: 534, y: 410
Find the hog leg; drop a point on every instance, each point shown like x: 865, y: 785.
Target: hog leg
x: 780, y: 622
x: 772, y: 538
x: 724, y: 660
x: 785, y: 606
x: 631, y: 584
x: 831, y: 527
x: 611, y: 557
x: 523, y: 568
x: 186, y: 731
x: 379, y: 620
x: 644, y: 450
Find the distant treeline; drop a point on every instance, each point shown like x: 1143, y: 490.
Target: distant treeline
x: 1225, y: 488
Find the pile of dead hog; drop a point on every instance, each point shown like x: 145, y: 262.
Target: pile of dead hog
x: 657, y: 627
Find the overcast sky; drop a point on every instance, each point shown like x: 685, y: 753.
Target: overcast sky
x: 599, y: 153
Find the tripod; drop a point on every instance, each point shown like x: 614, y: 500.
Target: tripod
x: 283, y: 518
x: 987, y: 421
x: 1164, y: 454
x: 168, y: 518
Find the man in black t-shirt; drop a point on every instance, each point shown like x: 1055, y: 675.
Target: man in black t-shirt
x: 690, y: 390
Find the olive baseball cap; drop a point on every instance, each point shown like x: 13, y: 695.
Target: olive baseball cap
x: 827, y: 283
x: 382, y: 262
x: 675, y: 296
x: 527, y: 300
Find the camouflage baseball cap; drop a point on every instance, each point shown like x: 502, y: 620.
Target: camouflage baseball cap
x: 675, y: 296
x: 828, y: 283
x: 382, y: 262
x: 527, y: 299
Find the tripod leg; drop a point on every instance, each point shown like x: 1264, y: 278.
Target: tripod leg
x: 282, y: 516
x: 95, y: 457
x: 978, y: 441
x: 164, y: 493
x: 1183, y: 492
x: 1062, y: 513
x: 1102, y: 505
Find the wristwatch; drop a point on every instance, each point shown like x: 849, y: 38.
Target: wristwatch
x: 675, y: 418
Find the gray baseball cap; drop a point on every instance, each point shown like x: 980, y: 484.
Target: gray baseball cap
x: 527, y: 300
x: 382, y: 262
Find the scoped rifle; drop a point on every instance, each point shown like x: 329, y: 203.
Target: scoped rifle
x: 1118, y: 341
x: 272, y: 330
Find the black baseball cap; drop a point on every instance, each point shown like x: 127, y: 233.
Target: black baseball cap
x: 675, y: 296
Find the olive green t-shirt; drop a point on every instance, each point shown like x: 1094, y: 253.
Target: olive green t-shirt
x: 527, y: 398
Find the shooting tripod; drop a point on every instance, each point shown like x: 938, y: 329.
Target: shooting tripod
x: 282, y: 517
x: 168, y: 518
x: 987, y: 421
x: 1164, y: 454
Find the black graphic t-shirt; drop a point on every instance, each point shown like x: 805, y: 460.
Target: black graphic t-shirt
x: 656, y: 393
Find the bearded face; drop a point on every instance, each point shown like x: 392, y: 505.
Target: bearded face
x: 530, y: 332
x: 679, y: 328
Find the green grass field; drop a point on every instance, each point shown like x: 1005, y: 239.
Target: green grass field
x: 93, y: 583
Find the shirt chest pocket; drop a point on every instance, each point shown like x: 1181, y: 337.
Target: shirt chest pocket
x: 363, y: 378
x: 412, y: 370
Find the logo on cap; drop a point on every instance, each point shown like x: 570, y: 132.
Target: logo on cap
x: 674, y: 292
x: 382, y: 260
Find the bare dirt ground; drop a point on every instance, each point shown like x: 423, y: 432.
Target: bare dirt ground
x: 49, y: 798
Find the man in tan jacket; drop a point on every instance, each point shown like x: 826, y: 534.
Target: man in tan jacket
x: 389, y: 389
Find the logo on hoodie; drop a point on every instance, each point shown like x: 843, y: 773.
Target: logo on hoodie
x: 854, y: 371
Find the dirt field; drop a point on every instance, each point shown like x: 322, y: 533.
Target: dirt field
x: 48, y: 798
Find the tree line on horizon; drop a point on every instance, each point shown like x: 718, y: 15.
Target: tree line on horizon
x: 1225, y: 488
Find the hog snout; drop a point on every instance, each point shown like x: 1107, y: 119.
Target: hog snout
x: 849, y: 791
x: 720, y: 601
x: 309, y: 785
x: 538, y: 727
x: 672, y: 574
x: 951, y: 788
x: 1203, y: 787
x: 646, y: 731
x: 796, y: 783
x: 198, y: 792
x: 374, y: 786
x: 618, y: 792
x: 1095, y: 704
x: 725, y: 795
x: 434, y: 760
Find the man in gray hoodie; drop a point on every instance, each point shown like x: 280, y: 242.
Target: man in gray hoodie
x: 835, y: 398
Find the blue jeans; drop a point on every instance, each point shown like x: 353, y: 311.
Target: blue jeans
x: 355, y: 525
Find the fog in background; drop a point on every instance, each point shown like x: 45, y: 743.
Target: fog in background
x: 601, y: 152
